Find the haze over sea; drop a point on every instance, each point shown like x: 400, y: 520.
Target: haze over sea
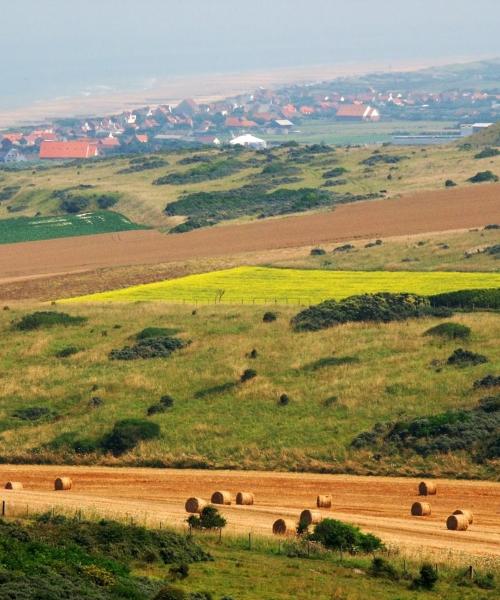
x: 59, y: 49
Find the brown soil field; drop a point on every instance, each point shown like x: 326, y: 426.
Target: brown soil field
x: 377, y: 504
x: 417, y: 213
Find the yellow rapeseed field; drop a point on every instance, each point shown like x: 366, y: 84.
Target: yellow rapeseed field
x: 269, y: 285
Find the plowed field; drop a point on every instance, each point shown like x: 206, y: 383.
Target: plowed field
x: 460, y: 208
x: 378, y: 504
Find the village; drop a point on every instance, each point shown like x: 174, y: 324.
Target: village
x: 255, y: 120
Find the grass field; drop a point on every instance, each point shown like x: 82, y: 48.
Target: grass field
x: 25, y: 229
x: 214, y: 424
x: 267, y: 285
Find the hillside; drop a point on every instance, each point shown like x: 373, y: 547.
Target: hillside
x: 206, y: 187
x: 488, y: 137
x: 305, y: 400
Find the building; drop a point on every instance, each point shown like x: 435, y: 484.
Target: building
x: 239, y: 123
x: 357, y: 112
x: 69, y: 150
x: 211, y: 140
x: 249, y: 141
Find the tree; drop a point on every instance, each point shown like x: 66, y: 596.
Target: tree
x: 209, y: 518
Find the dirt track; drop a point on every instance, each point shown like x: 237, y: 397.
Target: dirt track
x: 378, y: 504
x: 419, y: 213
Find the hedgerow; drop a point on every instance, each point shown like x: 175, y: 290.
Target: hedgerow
x: 468, y: 299
x: 45, y: 319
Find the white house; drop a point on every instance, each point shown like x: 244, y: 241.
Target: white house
x: 249, y: 141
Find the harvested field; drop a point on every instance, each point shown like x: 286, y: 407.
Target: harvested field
x: 377, y: 504
x: 417, y: 213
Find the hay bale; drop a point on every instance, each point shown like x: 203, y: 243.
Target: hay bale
x: 324, y: 501
x: 457, y: 522
x: 310, y: 517
x: 195, y: 505
x: 13, y: 485
x: 427, y: 488
x: 246, y: 498
x: 466, y: 512
x: 221, y: 498
x: 63, y: 483
x: 420, y: 509
x: 284, y: 527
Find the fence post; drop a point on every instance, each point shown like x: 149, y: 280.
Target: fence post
x: 470, y: 572
x: 3, y: 508
x: 250, y: 541
x: 220, y: 535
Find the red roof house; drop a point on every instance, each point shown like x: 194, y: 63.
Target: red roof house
x: 74, y: 149
x: 357, y: 112
x: 240, y: 122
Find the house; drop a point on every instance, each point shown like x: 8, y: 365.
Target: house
x: 15, y: 138
x: 239, y: 123
x: 69, y: 150
x: 142, y: 138
x: 109, y: 143
x: 249, y: 141
x: 37, y: 136
x: 187, y: 108
x: 210, y: 140
x: 357, y: 112
x: 307, y: 110
x: 13, y: 155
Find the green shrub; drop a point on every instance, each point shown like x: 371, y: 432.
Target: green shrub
x: 155, y: 347
x: 344, y: 248
x: 388, y: 159
x: 248, y: 374
x: 269, y: 317
x: 330, y: 361
x: 75, y: 204
x: 204, y: 172
x: 485, y: 581
x: 468, y: 299
x: 165, y: 403
x: 67, y: 351
x: 464, y: 358
x: 483, y: 176
x: 179, y: 571
x: 427, y: 578
x: 488, y: 381
x: 284, y: 400
x: 169, y: 592
x: 449, y: 183
x: 144, y: 164
x: 450, y: 330
x: 34, y: 413
x: 336, y: 535
x: 381, y: 307
x: 383, y: 568
x: 487, y: 153
x: 126, y: 434
x: 318, y: 252
x: 336, y: 172
x: 45, y: 319
x: 209, y: 518
x: 152, y: 332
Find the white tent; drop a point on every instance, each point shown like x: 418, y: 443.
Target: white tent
x: 249, y: 141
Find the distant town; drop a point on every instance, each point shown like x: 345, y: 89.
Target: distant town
x: 252, y: 119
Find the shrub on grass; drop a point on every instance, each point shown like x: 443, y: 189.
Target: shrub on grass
x: 330, y: 361
x: 169, y: 592
x: 336, y: 535
x: 248, y: 374
x: 45, y: 319
x: 464, y: 358
x: 487, y: 153
x: 450, y: 331
x: 154, y: 332
x: 284, y: 400
x: 427, y: 578
x: 485, y: 581
x: 335, y: 172
x: 269, y: 317
x: 105, y: 201
x: 318, y: 252
x: 344, y: 248
x: 155, y: 347
x: 209, y: 518
x: 67, y: 351
x: 34, y: 413
x: 488, y: 381
x: 253, y: 354
x: 75, y: 204
x: 483, y: 176
x: 468, y: 299
x: 449, y: 183
x: 165, y: 403
x: 126, y: 434
x: 179, y: 571
x: 383, y: 568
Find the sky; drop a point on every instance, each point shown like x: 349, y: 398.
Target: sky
x: 52, y: 48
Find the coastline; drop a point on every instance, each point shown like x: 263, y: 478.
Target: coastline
x: 203, y: 88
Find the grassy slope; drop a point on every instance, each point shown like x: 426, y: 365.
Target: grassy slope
x: 244, y: 427
x: 261, y: 284
x: 427, y: 168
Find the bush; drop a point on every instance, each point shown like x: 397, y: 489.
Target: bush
x: 487, y: 382
x: 468, y: 299
x: 330, y: 361
x: 488, y: 153
x: 105, y: 201
x: 165, y: 403
x: 269, y: 317
x: 382, y: 307
x: 383, y: 568
x: 248, y: 374
x: 336, y: 535
x: 126, y: 434
x: 382, y: 158
x: 155, y: 347
x: 34, y: 413
x: 449, y: 183
x: 483, y: 176
x: 169, y: 592
x: 427, y: 579
x: 486, y: 581
x: 464, y: 358
x: 336, y: 172
x: 68, y: 351
x: 450, y: 330
x: 179, y: 571
x: 283, y: 400
x: 318, y: 252
x: 209, y: 518
x: 75, y: 204
x: 152, y: 332
x: 44, y: 319
x: 344, y: 248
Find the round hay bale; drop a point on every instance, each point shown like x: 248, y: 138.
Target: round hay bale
x: 284, y: 527
x: 427, y: 488
x: 324, y: 501
x: 466, y: 512
x: 246, y: 498
x: 13, y: 485
x: 221, y: 498
x: 63, y: 483
x: 310, y: 517
x: 457, y: 522
x: 195, y: 505
x: 420, y: 509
